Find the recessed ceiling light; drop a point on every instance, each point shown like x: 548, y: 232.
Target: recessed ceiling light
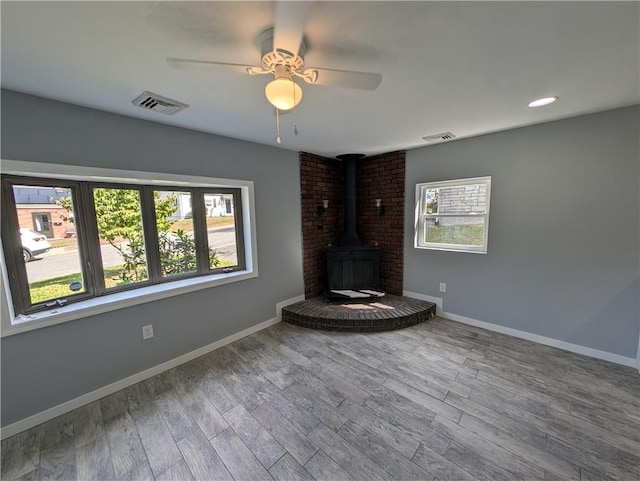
x: 543, y: 101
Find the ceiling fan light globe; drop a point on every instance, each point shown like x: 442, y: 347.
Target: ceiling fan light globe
x: 283, y: 93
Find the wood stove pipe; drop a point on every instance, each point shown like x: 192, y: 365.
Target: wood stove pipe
x: 350, y: 237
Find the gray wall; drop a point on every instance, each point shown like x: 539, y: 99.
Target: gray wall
x: 48, y: 366
x: 563, y: 230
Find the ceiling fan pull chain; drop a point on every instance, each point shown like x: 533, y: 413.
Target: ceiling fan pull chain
x: 295, y: 124
x: 278, y: 139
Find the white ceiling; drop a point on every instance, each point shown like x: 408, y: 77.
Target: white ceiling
x: 465, y: 67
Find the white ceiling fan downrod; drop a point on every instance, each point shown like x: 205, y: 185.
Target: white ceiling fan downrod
x: 295, y: 125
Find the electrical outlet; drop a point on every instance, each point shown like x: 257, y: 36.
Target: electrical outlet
x: 443, y: 287
x: 147, y: 332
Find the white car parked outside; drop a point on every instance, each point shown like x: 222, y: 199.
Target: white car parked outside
x: 33, y: 244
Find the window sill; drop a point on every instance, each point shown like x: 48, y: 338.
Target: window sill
x: 112, y: 302
x: 453, y: 248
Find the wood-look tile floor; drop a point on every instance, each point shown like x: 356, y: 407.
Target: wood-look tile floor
x: 439, y: 400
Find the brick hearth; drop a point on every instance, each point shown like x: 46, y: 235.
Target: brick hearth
x: 384, y: 314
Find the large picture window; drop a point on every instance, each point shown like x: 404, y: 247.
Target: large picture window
x: 96, y: 239
x: 453, y: 215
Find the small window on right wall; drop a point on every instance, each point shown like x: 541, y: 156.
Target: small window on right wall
x: 453, y: 215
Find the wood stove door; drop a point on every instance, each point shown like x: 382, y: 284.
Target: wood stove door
x: 353, y: 268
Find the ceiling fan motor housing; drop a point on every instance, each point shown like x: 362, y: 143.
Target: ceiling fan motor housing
x: 272, y: 57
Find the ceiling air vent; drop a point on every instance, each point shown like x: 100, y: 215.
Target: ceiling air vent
x: 443, y: 137
x: 158, y: 103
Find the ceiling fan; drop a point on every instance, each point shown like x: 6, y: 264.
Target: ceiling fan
x: 283, y: 52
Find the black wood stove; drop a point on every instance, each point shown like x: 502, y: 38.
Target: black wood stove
x: 353, y: 270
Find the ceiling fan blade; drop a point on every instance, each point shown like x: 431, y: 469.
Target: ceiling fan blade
x: 342, y: 78
x: 194, y: 63
x: 289, y: 27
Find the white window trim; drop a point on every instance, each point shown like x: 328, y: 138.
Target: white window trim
x: 12, y: 324
x: 438, y: 246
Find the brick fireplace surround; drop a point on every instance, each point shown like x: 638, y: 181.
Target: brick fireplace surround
x: 377, y: 177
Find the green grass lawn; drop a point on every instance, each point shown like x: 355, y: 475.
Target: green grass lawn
x: 467, y: 234
x: 59, y: 286
x: 69, y: 242
x: 212, y: 222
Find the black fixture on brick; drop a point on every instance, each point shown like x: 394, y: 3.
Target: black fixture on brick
x: 322, y: 209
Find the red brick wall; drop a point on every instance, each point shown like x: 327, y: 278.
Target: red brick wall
x: 320, y: 178
x: 378, y: 177
x: 382, y: 177
x: 60, y: 230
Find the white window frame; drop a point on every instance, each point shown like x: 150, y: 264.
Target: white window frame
x: 11, y: 323
x: 420, y: 217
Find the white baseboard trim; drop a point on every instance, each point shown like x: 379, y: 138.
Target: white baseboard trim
x: 65, y: 407
x: 286, y: 303
x: 547, y: 341
x: 638, y: 356
x: 423, y: 297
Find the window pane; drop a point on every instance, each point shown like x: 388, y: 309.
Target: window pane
x: 221, y: 230
x: 459, y: 199
x: 176, y: 243
x: 119, y: 218
x: 430, y: 201
x: 455, y: 230
x: 49, y: 243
